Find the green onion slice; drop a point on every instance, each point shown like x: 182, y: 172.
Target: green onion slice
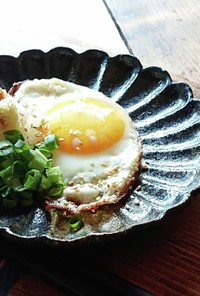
x: 26, y: 170
x: 20, y: 146
x: 9, y: 199
x: 38, y: 162
x: 75, y: 222
x: 32, y: 180
x: 28, y: 154
x: 44, y: 184
x: 48, y: 154
x: 6, y: 148
x: 19, y: 168
x: 14, y: 182
x: 55, y: 190
x: 13, y: 136
x: 7, y: 162
x: 6, y: 172
x: 54, y: 175
x: 51, y: 142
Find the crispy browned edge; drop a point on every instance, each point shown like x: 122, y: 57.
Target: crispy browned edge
x: 132, y: 183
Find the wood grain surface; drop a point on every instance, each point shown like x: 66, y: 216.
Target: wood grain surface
x: 44, y: 25
x: 163, y: 259
x: 163, y: 33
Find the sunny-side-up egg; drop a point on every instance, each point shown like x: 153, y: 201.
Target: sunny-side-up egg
x: 100, y: 150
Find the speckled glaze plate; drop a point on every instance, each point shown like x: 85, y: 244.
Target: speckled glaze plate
x: 167, y: 118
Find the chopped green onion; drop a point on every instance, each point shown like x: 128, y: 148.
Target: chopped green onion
x: 51, y: 142
x: 7, y: 162
x: 26, y: 170
x: 38, y: 162
x: 6, y: 173
x: 14, y: 182
x: 54, y: 175
x: 49, y: 164
x: 55, y: 190
x: 5, y: 190
x: 9, y: 199
x: 20, y: 146
x: 6, y: 148
x: 27, y: 154
x: 13, y: 136
x: 19, y: 168
x: 46, y: 152
x: 44, y: 184
x: 32, y: 180
x: 75, y: 222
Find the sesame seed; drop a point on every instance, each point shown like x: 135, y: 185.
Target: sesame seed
x: 76, y: 132
x: 46, y: 126
x: 75, y: 143
x: 43, y: 121
x: 138, y: 188
x: 38, y: 134
x: 116, y: 168
x: 89, y: 133
x: 35, y: 127
x: 145, y: 166
x: 136, y: 201
x: 93, y: 139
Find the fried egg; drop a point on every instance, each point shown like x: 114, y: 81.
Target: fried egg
x: 100, y: 149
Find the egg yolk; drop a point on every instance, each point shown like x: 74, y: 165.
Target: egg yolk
x: 86, y: 126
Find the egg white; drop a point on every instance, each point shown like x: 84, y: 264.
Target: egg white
x: 93, y: 179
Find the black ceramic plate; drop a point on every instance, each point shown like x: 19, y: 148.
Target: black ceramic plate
x: 167, y: 118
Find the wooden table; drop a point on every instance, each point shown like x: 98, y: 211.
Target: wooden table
x: 163, y: 259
